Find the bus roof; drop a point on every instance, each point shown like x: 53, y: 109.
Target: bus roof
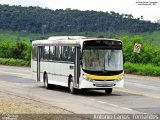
x: 71, y: 40
x: 66, y: 37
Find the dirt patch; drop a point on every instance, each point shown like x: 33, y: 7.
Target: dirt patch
x: 10, y: 104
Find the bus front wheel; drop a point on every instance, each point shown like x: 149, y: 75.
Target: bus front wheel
x: 108, y: 91
x: 71, y: 87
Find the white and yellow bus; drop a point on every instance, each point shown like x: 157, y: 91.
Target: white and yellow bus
x: 78, y: 62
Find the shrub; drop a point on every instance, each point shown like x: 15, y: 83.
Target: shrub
x: 148, y: 54
x: 15, y: 49
x: 14, y: 62
x: 142, y: 69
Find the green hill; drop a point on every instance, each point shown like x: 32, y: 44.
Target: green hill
x: 38, y: 20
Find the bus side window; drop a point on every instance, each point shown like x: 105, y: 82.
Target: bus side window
x: 71, y: 55
x: 42, y: 52
x: 52, y: 52
x: 34, y: 52
x: 46, y: 52
x: 58, y: 53
x: 64, y: 53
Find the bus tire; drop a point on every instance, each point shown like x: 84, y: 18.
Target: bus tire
x: 71, y: 87
x: 108, y: 91
x: 46, y: 85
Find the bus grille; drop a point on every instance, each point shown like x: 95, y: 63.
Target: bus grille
x: 104, y: 83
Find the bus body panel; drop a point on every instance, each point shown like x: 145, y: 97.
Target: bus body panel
x: 58, y: 73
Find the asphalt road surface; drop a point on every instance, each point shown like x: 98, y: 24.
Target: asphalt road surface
x: 140, y: 94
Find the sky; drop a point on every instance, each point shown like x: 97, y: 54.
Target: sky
x: 137, y: 8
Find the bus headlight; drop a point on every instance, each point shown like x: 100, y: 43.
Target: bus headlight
x: 86, y: 78
x: 119, y: 79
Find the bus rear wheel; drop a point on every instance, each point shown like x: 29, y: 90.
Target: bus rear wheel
x: 108, y: 91
x: 46, y: 85
x: 71, y: 87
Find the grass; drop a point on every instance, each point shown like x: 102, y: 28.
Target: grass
x: 142, y: 69
x: 14, y: 62
x: 150, y: 37
x: 22, y: 36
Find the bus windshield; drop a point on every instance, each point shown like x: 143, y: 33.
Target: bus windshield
x: 102, y: 60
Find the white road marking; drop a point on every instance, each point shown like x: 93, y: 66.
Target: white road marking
x: 92, y: 99
x: 114, y: 105
x: 101, y: 102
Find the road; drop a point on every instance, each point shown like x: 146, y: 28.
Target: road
x: 140, y: 94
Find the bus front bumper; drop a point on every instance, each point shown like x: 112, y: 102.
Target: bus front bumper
x: 100, y: 83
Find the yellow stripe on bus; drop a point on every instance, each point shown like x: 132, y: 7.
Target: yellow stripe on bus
x: 95, y: 77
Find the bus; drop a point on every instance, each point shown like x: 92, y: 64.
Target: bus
x: 78, y: 62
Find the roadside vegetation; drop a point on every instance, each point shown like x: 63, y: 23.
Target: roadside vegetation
x: 17, y: 52
x: 147, y: 62
x: 14, y: 62
x: 152, y: 38
x: 142, y: 69
x: 148, y: 54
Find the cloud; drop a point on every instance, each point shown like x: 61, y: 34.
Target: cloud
x: 23, y: 2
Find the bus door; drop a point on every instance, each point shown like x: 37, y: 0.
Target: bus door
x: 38, y: 62
x: 77, y: 67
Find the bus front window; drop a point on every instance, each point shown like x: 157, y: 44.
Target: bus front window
x: 102, y: 60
